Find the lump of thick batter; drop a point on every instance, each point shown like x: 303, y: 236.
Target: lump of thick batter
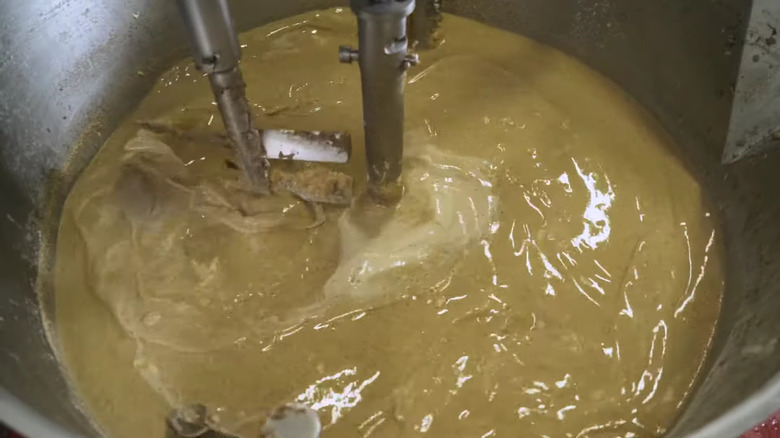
x: 164, y: 288
x: 448, y: 207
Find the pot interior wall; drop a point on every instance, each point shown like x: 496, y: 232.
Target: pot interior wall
x: 69, y: 72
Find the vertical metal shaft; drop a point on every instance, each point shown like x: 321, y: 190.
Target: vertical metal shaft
x: 383, y: 58
x: 217, y: 52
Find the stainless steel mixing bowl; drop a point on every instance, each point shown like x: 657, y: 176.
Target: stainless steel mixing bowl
x: 71, y: 69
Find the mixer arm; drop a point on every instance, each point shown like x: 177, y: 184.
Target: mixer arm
x: 216, y: 49
x: 217, y: 53
x: 383, y: 57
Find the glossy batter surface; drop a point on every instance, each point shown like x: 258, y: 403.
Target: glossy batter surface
x: 552, y: 270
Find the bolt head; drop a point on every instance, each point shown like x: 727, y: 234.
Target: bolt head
x: 411, y: 60
x: 347, y: 54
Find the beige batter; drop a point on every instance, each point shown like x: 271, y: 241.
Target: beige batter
x: 553, y: 270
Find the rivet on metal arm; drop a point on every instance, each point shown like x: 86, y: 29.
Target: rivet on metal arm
x: 348, y: 55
